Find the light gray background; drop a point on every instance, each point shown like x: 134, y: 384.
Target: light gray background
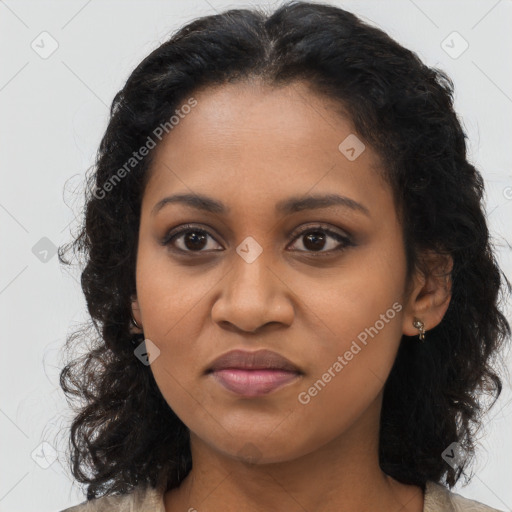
x: 53, y: 113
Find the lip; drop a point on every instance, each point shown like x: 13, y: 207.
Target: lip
x: 259, y: 360
x: 253, y: 383
x: 252, y: 374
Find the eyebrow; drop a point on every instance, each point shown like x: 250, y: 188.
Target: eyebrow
x: 285, y: 207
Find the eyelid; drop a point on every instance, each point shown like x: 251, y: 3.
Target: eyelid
x: 321, y: 226
x: 346, y: 239
x: 343, y: 238
x: 183, y: 228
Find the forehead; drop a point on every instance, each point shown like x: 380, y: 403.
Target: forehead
x: 248, y: 139
x: 251, y: 114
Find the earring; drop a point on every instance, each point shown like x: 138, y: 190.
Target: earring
x: 420, y: 326
x: 134, y: 322
x: 136, y: 337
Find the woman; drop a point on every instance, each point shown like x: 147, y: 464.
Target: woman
x: 291, y: 276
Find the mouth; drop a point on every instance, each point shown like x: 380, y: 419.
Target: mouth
x: 253, y: 374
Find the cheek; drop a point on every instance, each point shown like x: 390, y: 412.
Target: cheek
x: 167, y: 292
x: 357, y: 316
x: 359, y: 301
x: 351, y: 362
x: 352, y: 358
x: 173, y: 315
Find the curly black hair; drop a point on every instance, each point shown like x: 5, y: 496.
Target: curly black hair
x: 124, y: 433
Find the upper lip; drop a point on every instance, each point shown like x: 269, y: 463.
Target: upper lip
x: 259, y: 360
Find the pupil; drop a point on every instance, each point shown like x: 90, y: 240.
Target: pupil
x: 198, y: 240
x: 315, y: 237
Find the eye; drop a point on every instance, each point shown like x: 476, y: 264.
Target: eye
x: 316, y: 238
x: 191, y: 239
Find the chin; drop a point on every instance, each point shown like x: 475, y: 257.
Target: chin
x: 256, y: 450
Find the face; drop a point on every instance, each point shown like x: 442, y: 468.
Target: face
x: 321, y: 283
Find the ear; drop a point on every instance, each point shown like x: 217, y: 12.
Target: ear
x: 136, y: 314
x: 430, y: 293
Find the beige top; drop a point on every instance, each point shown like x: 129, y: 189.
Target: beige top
x: 438, y: 498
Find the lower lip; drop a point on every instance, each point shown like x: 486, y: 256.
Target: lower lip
x: 253, y: 382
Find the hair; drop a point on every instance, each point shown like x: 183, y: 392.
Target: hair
x: 124, y: 433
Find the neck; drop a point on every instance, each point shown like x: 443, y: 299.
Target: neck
x: 342, y: 475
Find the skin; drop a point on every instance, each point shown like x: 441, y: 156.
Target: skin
x: 251, y: 146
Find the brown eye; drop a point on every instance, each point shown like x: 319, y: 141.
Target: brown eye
x: 316, y: 239
x: 189, y: 239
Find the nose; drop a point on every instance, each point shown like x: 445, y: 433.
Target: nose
x: 252, y: 295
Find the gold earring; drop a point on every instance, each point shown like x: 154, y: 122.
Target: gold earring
x: 420, y: 326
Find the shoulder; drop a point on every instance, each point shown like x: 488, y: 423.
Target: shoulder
x: 439, y: 498
x: 143, y: 498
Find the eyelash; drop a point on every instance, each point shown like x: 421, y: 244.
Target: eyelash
x: 344, y: 240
